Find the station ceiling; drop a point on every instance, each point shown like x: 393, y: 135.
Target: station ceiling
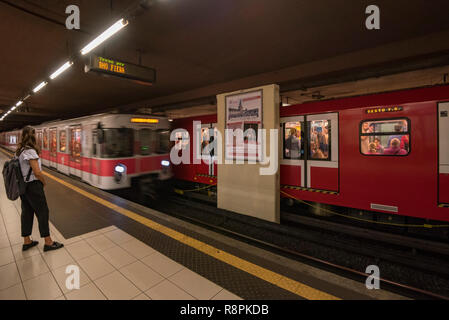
x: 191, y: 43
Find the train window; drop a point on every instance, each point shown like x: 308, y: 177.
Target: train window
x: 319, y: 140
x: 293, y: 140
x: 164, y: 141
x: 45, y: 139
x: 62, y: 141
x: 75, y: 145
x: 146, y: 142
x: 53, y: 142
x: 385, y: 137
x: 118, y: 143
x: 208, y: 137
x: 39, y: 139
x: 182, y: 140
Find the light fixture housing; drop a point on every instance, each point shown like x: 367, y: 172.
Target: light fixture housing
x: 116, y: 27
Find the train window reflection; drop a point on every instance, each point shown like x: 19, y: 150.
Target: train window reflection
x: 385, y: 137
x: 62, y: 141
x: 118, y: 143
x: 293, y: 140
x: 319, y: 139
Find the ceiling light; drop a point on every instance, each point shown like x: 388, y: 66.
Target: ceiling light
x: 18, y: 104
x: 104, y: 36
x: 67, y: 65
x: 39, y: 87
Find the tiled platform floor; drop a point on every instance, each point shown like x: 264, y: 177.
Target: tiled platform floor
x: 113, y: 264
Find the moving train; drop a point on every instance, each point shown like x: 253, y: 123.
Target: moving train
x: 108, y: 151
x: 382, y: 153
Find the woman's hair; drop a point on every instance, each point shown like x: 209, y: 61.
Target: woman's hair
x: 28, y: 140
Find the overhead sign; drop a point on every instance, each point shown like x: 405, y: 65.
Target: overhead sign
x: 120, y: 69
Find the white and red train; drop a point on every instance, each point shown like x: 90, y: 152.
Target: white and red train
x: 108, y: 151
x: 386, y: 153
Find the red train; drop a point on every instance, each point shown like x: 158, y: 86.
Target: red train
x: 385, y: 153
x: 108, y: 151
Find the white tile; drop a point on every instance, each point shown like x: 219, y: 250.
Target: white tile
x: 20, y: 255
x: 61, y: 278
x: 116, y: 287
x: 137, y: 248
x: 162, y: 264
x: 226, y: 295
x: 32, y: 267
x: 196, y: 285
x: 118, y: 257
x: 90, y: 234
x: 108, y: 229
x: 119, y: 236
x: 4, y: 241
x: 141, y: 275
x: 142, y: 296
x: 43, y: 287
x: 80, y: 250
x: 57, y: 258
x: 70, y: 241
x: 13, y: 227
x: 9, y: 276
x: 6, y: 256
x: 13, y: 293
x: 100, y: 243
x: 96, y: 266
x: 168, y: 291
x: 15, y: 238
x: 88, y: 292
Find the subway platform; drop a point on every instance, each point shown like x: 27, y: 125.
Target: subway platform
x: 125, y: 251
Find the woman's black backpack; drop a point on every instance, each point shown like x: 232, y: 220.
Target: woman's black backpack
x: 12, y: 175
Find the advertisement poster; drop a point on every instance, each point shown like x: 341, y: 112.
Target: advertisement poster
x: 243, y: 120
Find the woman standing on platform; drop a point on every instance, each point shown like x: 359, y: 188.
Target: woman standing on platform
x: 33, y: 201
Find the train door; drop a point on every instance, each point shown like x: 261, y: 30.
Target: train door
x: 75, y: 151
x: 322, y: 160
x: 293, y: 157
x: 94, y: 168
x: 53, y: 156
x: 443, y: 140
x: 208, y: 166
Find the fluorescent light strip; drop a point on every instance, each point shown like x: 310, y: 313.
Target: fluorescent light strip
x: 104, y: 36
x: 39, y: 87
x: 18, y: 104
x: 63, y: 68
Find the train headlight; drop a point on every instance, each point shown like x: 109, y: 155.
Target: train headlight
x: 120, y: 168
x: 119, y: 172
x: 165, y: 163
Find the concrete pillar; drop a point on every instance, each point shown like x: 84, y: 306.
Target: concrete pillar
x: 241, y: 188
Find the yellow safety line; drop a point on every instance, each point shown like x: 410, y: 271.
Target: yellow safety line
x: 274, y: 278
